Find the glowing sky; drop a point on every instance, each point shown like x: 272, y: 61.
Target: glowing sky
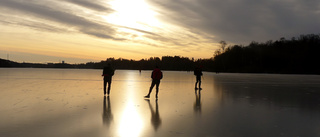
x: 78, y: 31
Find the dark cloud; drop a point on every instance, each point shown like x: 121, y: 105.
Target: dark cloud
x: 64, y: 18
x: 31, y: 24
x: 242, y: 21
x: 91, y: 4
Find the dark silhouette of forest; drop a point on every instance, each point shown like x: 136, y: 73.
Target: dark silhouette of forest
x: 166, y: 63
x: 295, y: 56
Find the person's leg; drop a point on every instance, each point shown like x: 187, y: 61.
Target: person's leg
x: 150, y: 90
x: 157, y: 88
x: 195, y: 86
x: 104, y: 86
x: 198, y: 81
x: 109, y: 86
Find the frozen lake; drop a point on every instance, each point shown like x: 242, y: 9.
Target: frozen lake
x: 70, y: 103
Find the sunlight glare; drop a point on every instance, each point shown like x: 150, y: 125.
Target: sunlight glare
x: 131, y: 123
x: 134, y: 14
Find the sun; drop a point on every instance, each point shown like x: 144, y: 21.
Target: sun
x: 135, y: 14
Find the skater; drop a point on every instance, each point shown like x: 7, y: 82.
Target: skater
x: 156, y: 76
x: 107, y: 73
x: 198, y: 73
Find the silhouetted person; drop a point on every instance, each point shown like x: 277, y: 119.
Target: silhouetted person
x: 156, y: 76
x: 155, y: 116
x: 198, y: 73
x: 107, y: 73
x: 106, y: 115
x: 197, y: 103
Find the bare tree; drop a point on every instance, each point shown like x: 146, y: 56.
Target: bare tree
x: 223, y: 45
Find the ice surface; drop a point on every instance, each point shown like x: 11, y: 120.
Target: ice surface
x: 70, y: 103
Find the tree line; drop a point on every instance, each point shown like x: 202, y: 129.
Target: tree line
x: 177, y: 63
x: 294, y: 56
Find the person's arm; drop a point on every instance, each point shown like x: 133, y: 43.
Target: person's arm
x: 112, y: 72
x: 151, y: 74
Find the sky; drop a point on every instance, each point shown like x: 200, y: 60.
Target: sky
x: 80, y: 31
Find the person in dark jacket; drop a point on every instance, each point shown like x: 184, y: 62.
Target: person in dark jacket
x: 107, y: 73
x: 156, y: 76
x: 198, y: 73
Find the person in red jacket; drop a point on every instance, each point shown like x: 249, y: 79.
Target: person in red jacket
x: 156, y: 76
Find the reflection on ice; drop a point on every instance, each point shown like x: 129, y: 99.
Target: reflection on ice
x: 107, y: 114
x: 131, y: 123
x: 67, y: 103
x: 197, y: 103
x: 155, y: 115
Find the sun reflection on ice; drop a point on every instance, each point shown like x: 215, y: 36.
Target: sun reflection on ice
x: 130, y: 123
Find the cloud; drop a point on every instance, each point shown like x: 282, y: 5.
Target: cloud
x: 242, y: 21
x: 44, y: 16
x: 201, y: 22
x: 40, y: 26
x: 92, y: 4
x: 64, y: 18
